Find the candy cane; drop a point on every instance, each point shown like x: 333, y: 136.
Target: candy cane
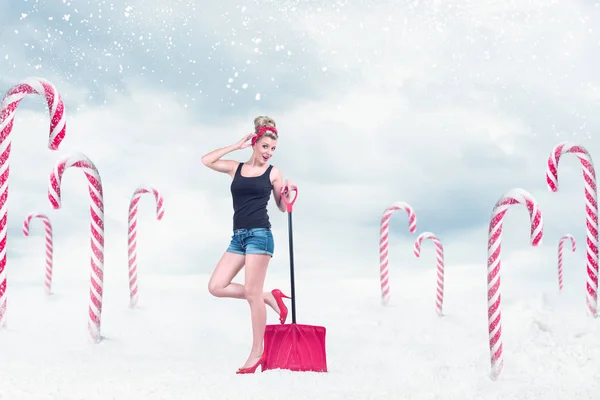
x: 439, y: 249
x: 97, y: 229
x: 591, y: 210
x: 132, y: 239
x: 383, y: 243
x: 48, y: 229
x: 560, y: 256
x: 57, y: 133
x: 514, y: 196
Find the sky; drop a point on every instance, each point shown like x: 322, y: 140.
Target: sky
x: 444, y: 105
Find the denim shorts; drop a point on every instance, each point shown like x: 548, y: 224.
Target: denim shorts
x: 252, y: 241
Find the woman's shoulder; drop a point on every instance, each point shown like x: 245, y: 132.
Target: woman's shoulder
x: 235, y: 167
x: 274, y: 172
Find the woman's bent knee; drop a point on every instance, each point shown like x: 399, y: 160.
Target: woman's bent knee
x: 215, y: 289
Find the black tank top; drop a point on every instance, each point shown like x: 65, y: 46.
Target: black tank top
x: 250, y: 197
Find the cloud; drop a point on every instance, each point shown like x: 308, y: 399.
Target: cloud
x: 213, y: 59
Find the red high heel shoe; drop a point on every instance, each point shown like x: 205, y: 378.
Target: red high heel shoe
x: 283, y: 310
x: 252, y: 369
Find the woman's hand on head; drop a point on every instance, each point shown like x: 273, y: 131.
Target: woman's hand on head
x: 245, y: 141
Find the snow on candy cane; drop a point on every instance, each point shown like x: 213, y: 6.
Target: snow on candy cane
x: 49, y: 251
x: 560, y: 256
x: 57, y: 133
x: 383, y: 243
x: 439, y: 249
x: 591, y: 211
x: 513, y: 196
x: 132, y: 236
x: 79, y: 160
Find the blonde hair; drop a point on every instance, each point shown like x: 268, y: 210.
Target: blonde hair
x: 263, y: 120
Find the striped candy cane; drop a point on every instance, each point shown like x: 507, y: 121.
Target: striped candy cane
x: 48, y: 229
x: 591, y: 210
x: 96, y: 225
x: 57, y: 133
x: 439, y: 249
x: 514, y: 196
x: 383, y: 243
x: 560, y: 256
x: 132, y: 238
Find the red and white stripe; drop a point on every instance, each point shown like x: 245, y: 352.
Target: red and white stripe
x: 132, y: 237
x: 97, y: 229
x: 439, y: 249
x: 8, y: 108
x: 513, y: 196
x: 49, y: 250
x: 591, y: 211
x: 383, y: 243
x: 560, y: 256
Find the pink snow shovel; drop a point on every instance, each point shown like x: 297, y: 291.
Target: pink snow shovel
x: 294, y: 346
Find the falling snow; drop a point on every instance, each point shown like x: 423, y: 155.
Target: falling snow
x: 174, y: 40
x: 213, y: 54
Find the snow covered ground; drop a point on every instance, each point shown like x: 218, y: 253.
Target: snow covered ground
x: 184, y: 344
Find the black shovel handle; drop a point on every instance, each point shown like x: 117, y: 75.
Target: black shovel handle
x: 289, y: 206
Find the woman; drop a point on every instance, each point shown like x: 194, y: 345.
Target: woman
x: 252, y: 241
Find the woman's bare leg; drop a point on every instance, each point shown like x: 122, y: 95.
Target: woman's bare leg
x: 220, y: 284
x: 227, y: 268
x: 256, y: 271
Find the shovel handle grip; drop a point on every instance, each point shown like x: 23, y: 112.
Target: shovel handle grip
x: 289, y: 204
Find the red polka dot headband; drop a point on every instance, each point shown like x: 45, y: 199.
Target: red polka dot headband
x: 261, y: 131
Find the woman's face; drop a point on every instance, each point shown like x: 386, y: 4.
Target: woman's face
x: 264, y: 148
